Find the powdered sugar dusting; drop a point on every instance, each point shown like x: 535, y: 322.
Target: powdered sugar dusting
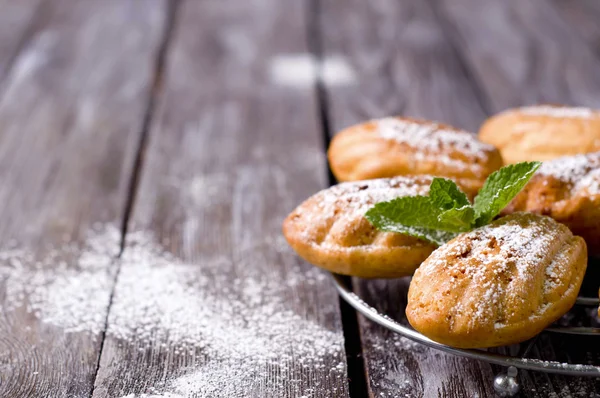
x: 501, y: 259
x: 590, y: 183
x: 360, y: 196
x: 68, y: 285
x: 239, y: 327
x: 558, y: 111
x: 431, y: 137
x: 581, y: 172
x: 344, y: 203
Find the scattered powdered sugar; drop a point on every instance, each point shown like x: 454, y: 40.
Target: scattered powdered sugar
x: 554, y: 364
x: 558, y: 111
x: 582, y: 172
x: 68, y: 285
x: 249, y: 333
x: 151, y: 395
x: 244, y: 329
x: 303, y: 70
x: 431, y: 137
x: 205, y: 189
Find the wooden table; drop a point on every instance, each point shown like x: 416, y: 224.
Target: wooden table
x: 149, y: 150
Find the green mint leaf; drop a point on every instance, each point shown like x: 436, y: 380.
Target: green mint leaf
x: 445, y: 194
x: 410, y: 215
x: 435, y: 236
x: 446, y: 212
x: 460, y: 219
x: 500, y: 188
x: 415, y: 216
x: 410, y: 211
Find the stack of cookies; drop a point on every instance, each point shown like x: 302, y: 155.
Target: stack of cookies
x: 498, y: 284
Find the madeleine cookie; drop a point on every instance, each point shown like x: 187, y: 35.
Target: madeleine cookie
x: 401, y: 146
x: 499, y: 284
x: 330, y: 231
x: 542, y: 132
x: 568, y: 190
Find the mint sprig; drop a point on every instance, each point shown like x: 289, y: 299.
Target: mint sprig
x: 410, y: 215
x: 500, y: 188
x: 446, y: 212
x: 446, y: 195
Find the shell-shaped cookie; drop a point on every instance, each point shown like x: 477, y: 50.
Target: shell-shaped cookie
x: 500, y: 284
x: 329, y: 230
x: 396, y: 146
x: 568, y: 190
x: 542, y: 132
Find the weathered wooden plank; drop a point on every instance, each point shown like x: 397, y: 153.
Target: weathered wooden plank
x: 404, y: 65
x: 550, y: 78
x: 210, y: 301
x: 536, y: 58
x: 523, y: 52
x: 70, y: 116
x: 583, y: 17
x: 17, y: 22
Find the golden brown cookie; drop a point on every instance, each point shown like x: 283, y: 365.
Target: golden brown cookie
x: 401, y: 146
x: 329, y: 230
x: 542, y: 132
x: 499, y: 284
x: 568, y: 190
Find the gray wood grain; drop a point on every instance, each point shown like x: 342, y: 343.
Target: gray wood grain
x: 210, y: 301
x: 523, y: 52
x: 536, y: 57
x: 583, y: 17
x: 17, y: 22
x: 70, y: 115
x: 402, y: 62
x: 516, y: 53
x: 403, y: 65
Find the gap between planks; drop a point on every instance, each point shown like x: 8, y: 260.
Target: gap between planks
x: 357, y: 377
x: 132, y: 188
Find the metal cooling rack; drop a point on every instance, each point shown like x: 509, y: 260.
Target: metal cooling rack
x: 505, y: 383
